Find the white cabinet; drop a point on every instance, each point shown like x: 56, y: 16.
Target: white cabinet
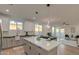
x: 5, y: 24
x: 26, y: 47
x: 29, y: 26
x: 32, y: 49
x: 11, y: 42
x: 7, y: 42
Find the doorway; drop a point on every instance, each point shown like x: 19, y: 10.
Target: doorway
x: 60, y: 34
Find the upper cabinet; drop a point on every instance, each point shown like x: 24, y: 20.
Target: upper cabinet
x: 29, y: 26
x: 5, y: 24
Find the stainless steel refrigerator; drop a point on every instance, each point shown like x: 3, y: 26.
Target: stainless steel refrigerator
x: 0, y: 38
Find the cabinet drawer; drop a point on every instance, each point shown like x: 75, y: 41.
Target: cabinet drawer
x: 26, y: 48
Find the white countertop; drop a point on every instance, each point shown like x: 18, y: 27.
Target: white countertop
x: 43, y: 43
x: 70, y: 42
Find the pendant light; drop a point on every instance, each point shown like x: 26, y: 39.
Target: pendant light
x: 48, y: 23
x: 48, y: 26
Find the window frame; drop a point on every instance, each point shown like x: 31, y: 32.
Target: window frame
x: 12, y: 23
x: 38, y: 28
x: 16, y: 24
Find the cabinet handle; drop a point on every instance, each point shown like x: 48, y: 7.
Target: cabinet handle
x: 39, y: 54
x: 26, y: 53
x: 30, y: 47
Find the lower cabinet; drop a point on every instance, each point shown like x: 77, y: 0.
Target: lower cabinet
x: 31, y: 49
x: 7, y: 42
x: 10, y: 42
x: 4, y: 43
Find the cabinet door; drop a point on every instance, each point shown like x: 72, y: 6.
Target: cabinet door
x: 5, y: 24
x: 27, y: 48
x: 32, y: 49
x: 4, y: 43
x: 11, y: 44
x: 15, y: 42
x: 29, y: 26
x: 8, y: 42
x: 36, y: 50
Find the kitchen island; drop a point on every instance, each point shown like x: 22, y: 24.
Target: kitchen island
x: 32, y: 46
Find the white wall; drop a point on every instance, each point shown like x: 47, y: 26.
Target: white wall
x: 29, y: 26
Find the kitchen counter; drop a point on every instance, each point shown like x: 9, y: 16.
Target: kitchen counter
x: 11, y: 41
x: 27, y: 35
x: 8, y: 36
x: 43, y: 44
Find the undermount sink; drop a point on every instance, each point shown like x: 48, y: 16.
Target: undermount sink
x: 47, y: 38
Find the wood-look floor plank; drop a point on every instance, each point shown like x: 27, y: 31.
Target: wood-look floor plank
x: 62, y: 50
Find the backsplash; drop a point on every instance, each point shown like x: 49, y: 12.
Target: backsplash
x: 13, y: 33
x: 30, y: 32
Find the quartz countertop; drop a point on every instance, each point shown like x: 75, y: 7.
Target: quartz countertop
x: 8, y: 36
x: 43, y: 43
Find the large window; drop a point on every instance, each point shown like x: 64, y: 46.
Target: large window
x: 16, y: 25
x: 12, y: 25
x: 38, y: 28
x: 53, y: 30
x: 57, y: 30
x: 19, y: 26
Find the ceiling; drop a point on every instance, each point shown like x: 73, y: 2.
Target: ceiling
x: 55, y: 14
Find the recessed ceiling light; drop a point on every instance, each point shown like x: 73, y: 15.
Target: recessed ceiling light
x: 7, y: 10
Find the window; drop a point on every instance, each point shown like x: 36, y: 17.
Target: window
x: 0, y: 25
x: 12, y: 25
x: 53, y: 29
x: 19, y: 26
x: 62, y: 30
x: 16, y: 25
x: 57, y: 30
x: 38, y: 28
